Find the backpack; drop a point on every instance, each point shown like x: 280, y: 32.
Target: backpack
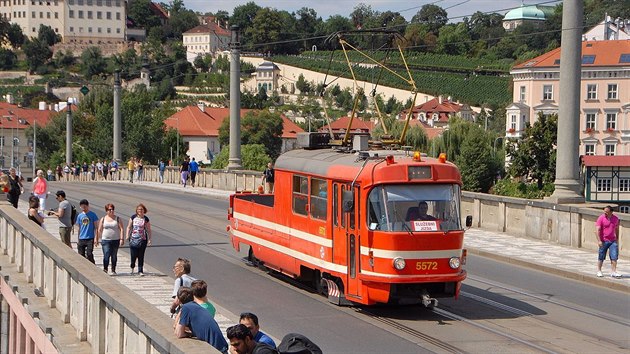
x: 294, y: 343
x: 73, y: 215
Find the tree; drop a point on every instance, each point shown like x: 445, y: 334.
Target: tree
x: 15, y: 36
x: 201, y: 64
x: 534, y: 155
x: 47, y: 35
x: 253, y: 157
x: 476, y: 163
x: 453, y: 39
x: 63, y: 59
x: 431, y: 15
x: 141, y: 15
x: 243, y: 17
x: 361, y: 15
x: 303, y: 85
x: 37, y: 53
x: 92, y: 62
x: 266, y: 28
x: 307, y: 24
x: 8, y: 59
x: 257, y: 127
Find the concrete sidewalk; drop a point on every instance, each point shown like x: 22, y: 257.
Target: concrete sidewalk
x: 579, y: 264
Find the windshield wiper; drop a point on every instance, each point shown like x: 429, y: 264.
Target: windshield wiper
x: 404, y: 223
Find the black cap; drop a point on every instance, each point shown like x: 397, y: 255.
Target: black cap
x: 84, y: 202
x: 61, y: 193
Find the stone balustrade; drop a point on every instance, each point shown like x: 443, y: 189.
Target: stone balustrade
x: 75, y: 302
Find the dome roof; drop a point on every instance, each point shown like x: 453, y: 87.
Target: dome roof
x: 526, y: 12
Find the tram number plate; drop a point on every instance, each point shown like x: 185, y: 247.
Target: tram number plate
x: 426, y: 266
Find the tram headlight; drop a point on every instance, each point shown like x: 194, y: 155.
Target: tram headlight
x: 399, y: 263
x: 454, y: 262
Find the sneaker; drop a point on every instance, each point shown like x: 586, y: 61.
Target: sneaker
x: 113, y: 273
x: 141, y: 274
x: 615, y: 275
x: 600, y: 274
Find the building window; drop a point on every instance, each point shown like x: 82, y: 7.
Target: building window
x: 109, y: 15
x: 41, y: 14
x: 79, y: 2
x: 624, y: 184
x: 33, y: 14
x: 109, y: 30
x: 591, y: 118
x: 118, y: 15
x: 47, y: 14
x: 610, y: 149
x: 89, y: 29
x: 99, y: 2
x: 624, y: 209
x: 99, y: 15
x: 513, y: 122
x: 80, y: 14
x: 57, y: 15
x: 589, y: 149
x: 99, y: 30
x: 89, y: 14
x: 611, y: 121
x: 522, y: 94
x: 591, y: 92
x: 547, y: 92
x: 603, y: 184
x: 71, y: 29
x: 612, y: 92
x: 34, y: 30
x: 117, y: 30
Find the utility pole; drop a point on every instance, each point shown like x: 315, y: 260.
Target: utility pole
x: 567, y: 182
x: 234, y: 161
x: 69, y: 133
x: 117, y: 119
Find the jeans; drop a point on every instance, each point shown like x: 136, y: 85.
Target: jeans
x: 612, y: 248
x: 161, y: 176
x: 85, y: 248
x: 110, y: 250
x: 138, y: 253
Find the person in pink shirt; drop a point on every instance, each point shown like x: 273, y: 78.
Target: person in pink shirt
x: 607, y: 231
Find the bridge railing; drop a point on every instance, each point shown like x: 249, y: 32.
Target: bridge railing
x: 101, y: 311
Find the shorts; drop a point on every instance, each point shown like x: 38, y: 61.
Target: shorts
x: 612, y: 248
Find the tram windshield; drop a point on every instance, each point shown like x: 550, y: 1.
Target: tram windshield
x: 411, y: 208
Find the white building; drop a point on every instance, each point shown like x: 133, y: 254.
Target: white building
x: 609, y: 30
x: 205, y: 39
x: 77, y: 21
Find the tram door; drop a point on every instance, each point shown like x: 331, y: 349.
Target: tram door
x: 352, y: 243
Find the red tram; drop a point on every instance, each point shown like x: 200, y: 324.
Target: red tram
x: 362, y: 227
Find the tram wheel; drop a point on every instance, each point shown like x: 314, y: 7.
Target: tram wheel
x: 252, y: 258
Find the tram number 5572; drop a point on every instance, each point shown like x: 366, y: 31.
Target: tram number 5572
x: 426, y: 265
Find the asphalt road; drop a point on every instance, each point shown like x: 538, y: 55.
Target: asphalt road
x: 502, y: 308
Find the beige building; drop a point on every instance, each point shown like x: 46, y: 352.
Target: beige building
x: 77, y: 21
x: 267, y: 74
x: 605, y: 96
x: 208, y: 38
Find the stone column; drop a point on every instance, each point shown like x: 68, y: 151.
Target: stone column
x: 567, y: 182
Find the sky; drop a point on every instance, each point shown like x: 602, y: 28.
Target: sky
x: 456, y: 9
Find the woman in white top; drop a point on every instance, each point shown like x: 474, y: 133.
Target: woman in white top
x: 110, y: 231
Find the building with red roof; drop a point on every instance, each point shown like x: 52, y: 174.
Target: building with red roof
x: 607, y: 180
x: 14, y: 120
x: 437, y: 112
x: 341, y: 125
x: 207, y: 38
x: 199, y: 127
x: 604, y: 102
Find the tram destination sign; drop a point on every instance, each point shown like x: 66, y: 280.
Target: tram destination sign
x: 420, y: 172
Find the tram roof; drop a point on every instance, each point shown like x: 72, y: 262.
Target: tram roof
x: 320, y: 161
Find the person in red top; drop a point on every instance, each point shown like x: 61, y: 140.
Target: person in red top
x: 607, y: 231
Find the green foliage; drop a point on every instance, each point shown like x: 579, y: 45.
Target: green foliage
x: 15, y: 36
x: 476, y: 162
x: 253, y: 157
x: 63, y: 59
x: 510, y: 188
x: 8, y: 59
x: 267, y: 27
x: 37, y: 53
x: 141, y: 15
x: 47, y: 35
x: 257, y: 127
x: 303, y: 85
x: 534, y: 155
x: 431, y: 15
x: 92, y: 62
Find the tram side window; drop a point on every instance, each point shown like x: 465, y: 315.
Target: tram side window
x: 319, y: 195
x: 300, y: 194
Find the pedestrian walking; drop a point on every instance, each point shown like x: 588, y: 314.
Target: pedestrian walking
x: 607, y: 233
x: 59, y: 172
x: 64, y: 214
x: 40, y: 189
x: 161, y: 169
x: 183, y: 169
x: 131, y: 166
x: 15, y: 187
x: 193, y: 167
x: 105, y: 169
x: 111, y: 233
x: 140, y: 167
x: 88, y: 224
x: 139, y: 237
x: 113, y: 168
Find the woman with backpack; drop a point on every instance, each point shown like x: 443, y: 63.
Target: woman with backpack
x: 139, y: 237
x: 110, y: 229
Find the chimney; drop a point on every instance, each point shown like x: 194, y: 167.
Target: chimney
x: 202, y: 106
x: 440, y: 99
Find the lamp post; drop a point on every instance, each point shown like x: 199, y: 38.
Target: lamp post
x: 177, y: 147
x: 494, y: 146
x: 69, y: 133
